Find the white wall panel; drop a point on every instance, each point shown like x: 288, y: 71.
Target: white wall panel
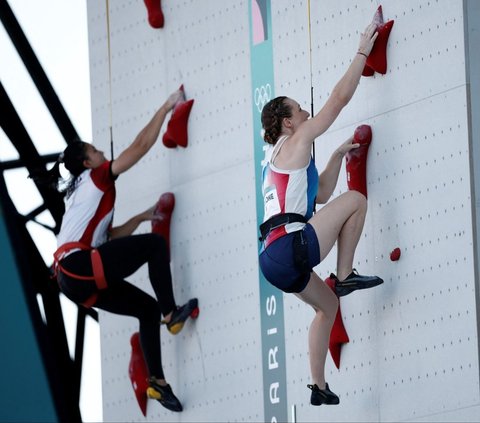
x: 413, y: 351
x: 414, y: 339
x: 291, y: 52
x: 213, y: 236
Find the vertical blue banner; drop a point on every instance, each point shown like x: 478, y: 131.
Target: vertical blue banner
x: 271, y: 299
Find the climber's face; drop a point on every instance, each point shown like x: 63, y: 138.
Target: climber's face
x: 298, y: 115
x: 94, y: 157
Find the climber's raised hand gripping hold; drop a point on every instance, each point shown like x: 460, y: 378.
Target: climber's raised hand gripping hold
x: 295, y: 240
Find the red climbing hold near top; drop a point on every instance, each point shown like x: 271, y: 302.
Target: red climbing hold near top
x: 377, y: 59
x: 155, y: 14
x: 177, y: 128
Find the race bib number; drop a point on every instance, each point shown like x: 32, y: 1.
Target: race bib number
x: 272, y: 205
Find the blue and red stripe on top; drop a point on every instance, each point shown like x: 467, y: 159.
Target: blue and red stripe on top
x: 295, y: 190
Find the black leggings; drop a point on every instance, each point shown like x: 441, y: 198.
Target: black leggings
x: 121, y: 258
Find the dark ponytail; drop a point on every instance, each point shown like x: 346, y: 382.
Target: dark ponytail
x: 48, y: 178
x: 72, y: 157
x: 273, y: 114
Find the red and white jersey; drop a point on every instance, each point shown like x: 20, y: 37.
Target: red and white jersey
x: 89, y: 209
x: 287, y: 191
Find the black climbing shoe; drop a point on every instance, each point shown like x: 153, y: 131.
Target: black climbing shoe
x: 353, y: 282
x: 180, y: 315
x: 164, y: 395
x: 323, y: 396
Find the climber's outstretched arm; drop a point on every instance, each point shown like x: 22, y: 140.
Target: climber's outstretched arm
x: 342, y: 93
x: 146, y: 138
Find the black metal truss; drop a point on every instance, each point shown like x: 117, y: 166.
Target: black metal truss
x: 64, y: 374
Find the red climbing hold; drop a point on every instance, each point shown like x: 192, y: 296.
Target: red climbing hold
x: 395, y: 254
x: 338, y: 335
x: 137, y: 370
x: 357, y: 160
x: 377, y: 59
x: 368, y: 71
x: 363, y: 135
x: 163, y: 211
x: 177, y: 128
x: 195, y: 312
x: 155, y: 14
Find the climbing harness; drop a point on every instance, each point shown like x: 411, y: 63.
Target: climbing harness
x: 277, y: 221
x: 97, y: 266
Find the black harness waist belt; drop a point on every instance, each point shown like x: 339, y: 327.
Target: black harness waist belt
x: 277, y: 221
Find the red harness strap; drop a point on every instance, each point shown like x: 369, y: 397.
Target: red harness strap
x: 97, y: 266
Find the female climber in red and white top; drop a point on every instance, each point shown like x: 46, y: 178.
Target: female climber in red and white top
x: 93, y: 258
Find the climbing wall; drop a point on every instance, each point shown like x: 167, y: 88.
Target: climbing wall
x: 413, y: 351
x: 214, y: 362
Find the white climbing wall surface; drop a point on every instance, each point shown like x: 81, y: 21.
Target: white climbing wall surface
x: 413, y: 350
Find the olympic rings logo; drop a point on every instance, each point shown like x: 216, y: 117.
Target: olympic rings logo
x: 262, y: 96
